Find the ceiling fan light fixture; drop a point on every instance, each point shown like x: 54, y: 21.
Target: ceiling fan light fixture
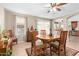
x: 58, y: 9
x: 51, y: 10
x: 54, y: 8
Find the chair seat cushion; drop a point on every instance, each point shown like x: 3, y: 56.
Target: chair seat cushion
x: 55, y: 44
x: 5, y: 52
x: 38, y: 42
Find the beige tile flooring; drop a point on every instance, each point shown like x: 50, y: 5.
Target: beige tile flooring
x: 19, y: 49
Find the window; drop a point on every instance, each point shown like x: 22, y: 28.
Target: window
x: 20, y: 30
x: 58, y: 24
x: 20, y: 23
x: 43, y: 25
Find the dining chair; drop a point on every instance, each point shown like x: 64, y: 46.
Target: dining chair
x: 4, y: 51
x: 36, y: 50
x: 59, y: 45
x: 11, y: 39
x: 11, y: 36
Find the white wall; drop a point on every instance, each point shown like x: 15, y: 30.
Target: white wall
x: 2, y: 18
x: 74, y: 18
x: 9, y: 20
x: 31, y: 21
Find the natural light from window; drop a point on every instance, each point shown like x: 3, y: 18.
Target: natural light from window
x: 43, y: 25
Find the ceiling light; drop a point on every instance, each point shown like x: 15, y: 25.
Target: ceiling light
x: 54, y: 8
x: 51, y: 10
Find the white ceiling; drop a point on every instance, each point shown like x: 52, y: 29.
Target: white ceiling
x: 39, y: 9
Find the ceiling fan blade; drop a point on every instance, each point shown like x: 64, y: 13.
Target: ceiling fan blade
x: 58, y: 9
x: 60, y: 4
x: 53, y: 4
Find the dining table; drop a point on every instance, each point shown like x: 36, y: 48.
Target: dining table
x: 47, y: 39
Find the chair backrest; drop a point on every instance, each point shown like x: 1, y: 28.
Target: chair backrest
x: 9, y: 33
x: 63, y: 37
x: 33, y: 38
x: 3, y: 50
x: 62, y: 43
x: 33, y: 42
x: 1, y: 44
x: 0, y: 36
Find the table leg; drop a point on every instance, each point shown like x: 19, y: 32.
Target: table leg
x: 44, y: 47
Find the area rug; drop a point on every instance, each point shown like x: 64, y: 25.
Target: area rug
x: 69, y: 52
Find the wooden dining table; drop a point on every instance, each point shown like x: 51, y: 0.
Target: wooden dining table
x: 47, y: 39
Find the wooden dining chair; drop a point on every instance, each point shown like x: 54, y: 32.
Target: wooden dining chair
x: 11, y: 36
x: 3, y: 50
x: 35, y: 49
x: 59, y: 46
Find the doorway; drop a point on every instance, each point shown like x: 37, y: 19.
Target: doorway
x: 20, y: 28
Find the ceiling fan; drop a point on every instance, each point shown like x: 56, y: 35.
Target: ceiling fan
x: 55, y: 6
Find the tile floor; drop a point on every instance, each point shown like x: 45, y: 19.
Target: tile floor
x: 19, y: 49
